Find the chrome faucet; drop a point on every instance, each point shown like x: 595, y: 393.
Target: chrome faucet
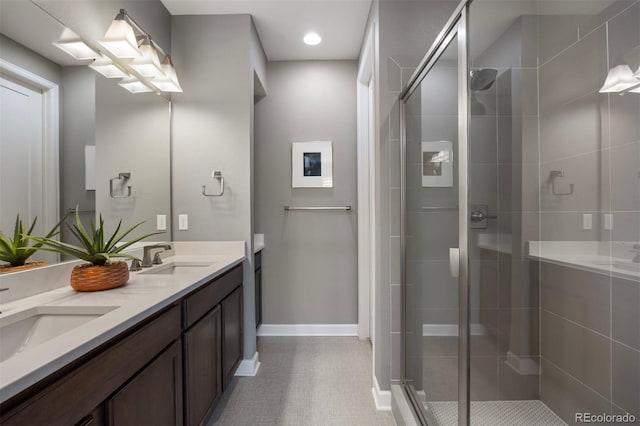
x: 636, y: 249
x: 146, y: 259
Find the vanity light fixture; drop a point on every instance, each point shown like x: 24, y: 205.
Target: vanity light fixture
x: 148, y: 65
x: 129, y: 53
x: 71, y: 43
x: 619, y: 79
x: 312, y: 39
x: 169, y: 82
x: 105, y: 66
x: 120, y: 40
x: 134, y: 85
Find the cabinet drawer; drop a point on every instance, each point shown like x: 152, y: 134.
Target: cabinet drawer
x: 203, y: 300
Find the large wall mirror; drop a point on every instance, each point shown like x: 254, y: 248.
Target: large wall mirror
x: 107, y: 138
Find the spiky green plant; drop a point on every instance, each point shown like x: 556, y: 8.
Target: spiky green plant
x: 17, y: 251
x: 94, y: 248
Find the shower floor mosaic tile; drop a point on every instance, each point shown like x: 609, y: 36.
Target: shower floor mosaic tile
x: 495, y: 413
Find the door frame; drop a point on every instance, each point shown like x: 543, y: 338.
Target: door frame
x: 366, y: 150
x: 456, y: 26
x: 50, y: 139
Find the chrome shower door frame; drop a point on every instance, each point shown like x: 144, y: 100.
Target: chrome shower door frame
x: 458, y: 25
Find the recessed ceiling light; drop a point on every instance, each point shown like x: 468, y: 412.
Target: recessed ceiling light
x: 312, y: 39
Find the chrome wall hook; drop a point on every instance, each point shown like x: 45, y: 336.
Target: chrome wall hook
x: 553, y: 175
x: 218, y: 176
x: 123, y: 177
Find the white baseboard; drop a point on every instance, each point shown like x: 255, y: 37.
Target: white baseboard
x: 381, y: 398
x: 249, y: 367
x: 525, y: 366
x: 451, y: 330
x: 308, y: 330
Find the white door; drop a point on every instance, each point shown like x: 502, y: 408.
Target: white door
x: 21, y: 156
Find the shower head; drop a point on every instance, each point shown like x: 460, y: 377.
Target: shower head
x: 483, y: 79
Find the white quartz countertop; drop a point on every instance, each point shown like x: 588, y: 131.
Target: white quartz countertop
x: 144, y: 295
x: 602, y: 257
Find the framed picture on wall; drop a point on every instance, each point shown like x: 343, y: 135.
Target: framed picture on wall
x: 437, y: 163
x: 312, y: 164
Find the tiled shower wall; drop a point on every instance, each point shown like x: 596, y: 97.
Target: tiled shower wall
x: 590, y: 323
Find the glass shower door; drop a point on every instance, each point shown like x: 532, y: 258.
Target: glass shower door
x: 431, y: 230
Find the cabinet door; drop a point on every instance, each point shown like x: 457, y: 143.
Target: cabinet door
x: 232, y: 335
x: 153, y: 396
x: 203, y: 367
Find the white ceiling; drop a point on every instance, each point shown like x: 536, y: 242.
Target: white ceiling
x: 281, y: 24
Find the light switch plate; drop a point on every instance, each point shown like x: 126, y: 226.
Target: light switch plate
x: 161, y: 222
x: 183, y: 222
x: 587, y: 221
x: 608, y: 221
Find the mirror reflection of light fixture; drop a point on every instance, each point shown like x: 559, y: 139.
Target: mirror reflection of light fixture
x: 105, y: 66
x: 619, y: 79
x: 134, y: 85
x: 149, y: 64
x: 71, y: 43
x: 169, y: 82
x: 120, y: 40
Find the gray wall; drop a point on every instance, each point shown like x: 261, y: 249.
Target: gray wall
x: 78, y: 126
x: 310, y: 263
x: 212, y: 130
x: 132, y: 134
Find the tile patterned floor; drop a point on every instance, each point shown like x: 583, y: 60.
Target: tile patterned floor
x: 496, y: 413
x: 305, y: 381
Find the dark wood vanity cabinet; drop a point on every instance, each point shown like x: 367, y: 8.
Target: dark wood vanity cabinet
x: 168, y: 369
x: 212, y: 343
x: 233, y: 335
x: 153, y: 396
x: 203, y: 367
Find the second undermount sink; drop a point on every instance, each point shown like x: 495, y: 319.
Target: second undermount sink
x: 175, y: 268
x: 34, y: 326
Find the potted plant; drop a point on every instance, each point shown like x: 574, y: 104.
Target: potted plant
x: 16, y: 252
x: 101, y: 272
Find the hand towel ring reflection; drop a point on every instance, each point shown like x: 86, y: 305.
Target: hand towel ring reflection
x: 559, y: 174
x: 218, y: 176
x: 123, y: 177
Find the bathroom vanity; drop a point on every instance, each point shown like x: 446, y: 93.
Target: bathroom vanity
x: 163, y: 353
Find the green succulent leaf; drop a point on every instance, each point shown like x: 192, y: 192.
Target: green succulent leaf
x: 18, y: 250
x: 93, y: 247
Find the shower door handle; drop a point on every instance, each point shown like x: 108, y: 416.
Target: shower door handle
x: 454, y: 262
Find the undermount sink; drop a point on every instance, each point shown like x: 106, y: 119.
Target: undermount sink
x: 174, y: 268
x: 34, y: 326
